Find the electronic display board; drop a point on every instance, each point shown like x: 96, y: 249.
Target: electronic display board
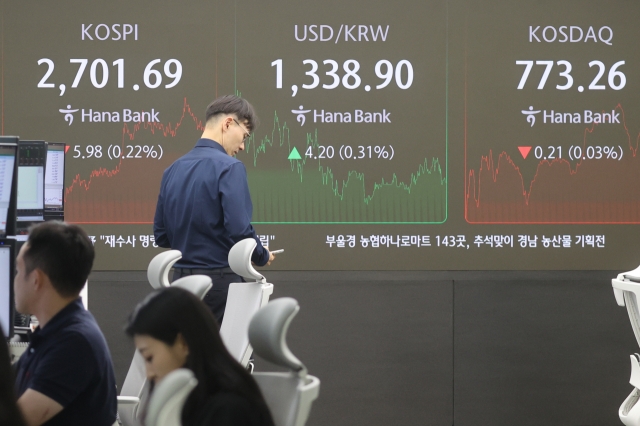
x: 408, y: 135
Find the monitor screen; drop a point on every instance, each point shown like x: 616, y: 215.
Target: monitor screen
x: 7, y: 267
x: 54, y: 177
x: 7, y: 165
x: 32, y: 159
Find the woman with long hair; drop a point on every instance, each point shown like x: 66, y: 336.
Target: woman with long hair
x: 174, y: 329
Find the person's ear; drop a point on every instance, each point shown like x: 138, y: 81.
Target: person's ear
x: 181, y: 345
x: 39, y: 278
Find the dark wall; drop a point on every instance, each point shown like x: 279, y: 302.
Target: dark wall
x: 438, y: 348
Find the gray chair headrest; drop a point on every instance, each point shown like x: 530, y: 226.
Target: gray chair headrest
x: 165, y: 405
x: 158, y: 270
x: 268, y: 332
x: 196, y: 284
x: 240, y: 260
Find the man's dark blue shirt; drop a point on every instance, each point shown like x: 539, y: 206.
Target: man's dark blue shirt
x: 68, y: 361
x: 204, y: 208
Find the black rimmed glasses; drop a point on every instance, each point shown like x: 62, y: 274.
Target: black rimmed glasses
x: 246, y: 133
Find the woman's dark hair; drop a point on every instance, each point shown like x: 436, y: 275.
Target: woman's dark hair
x: 169, y: 311
x: 9, y: 411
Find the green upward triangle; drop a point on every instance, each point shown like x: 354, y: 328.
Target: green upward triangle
x: 294, y: 154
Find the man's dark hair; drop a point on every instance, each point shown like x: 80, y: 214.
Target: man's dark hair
x: 230, y: 104
x: 63, y: 252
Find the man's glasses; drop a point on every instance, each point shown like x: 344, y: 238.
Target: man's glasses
x: 246, y: 133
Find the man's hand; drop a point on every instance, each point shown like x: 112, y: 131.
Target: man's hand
x: 271, y: 256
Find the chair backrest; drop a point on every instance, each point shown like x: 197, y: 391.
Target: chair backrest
x: 134, y: 389
x: 243, y: 301
x: 158, y: 270
x: 136, y: 376
x: 626, y: 288
x: 168, y: 398
x: 289, y: 396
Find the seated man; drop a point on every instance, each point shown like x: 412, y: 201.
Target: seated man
x: 65, y: 377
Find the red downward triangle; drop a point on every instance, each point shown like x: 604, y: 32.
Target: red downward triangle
x: 524, y: 150
x: 66, y: 148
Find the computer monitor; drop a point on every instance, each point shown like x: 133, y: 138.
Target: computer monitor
x: 7, y: 271
x: 32, y: 159
x: 8, y: 184
x: 54, y: 181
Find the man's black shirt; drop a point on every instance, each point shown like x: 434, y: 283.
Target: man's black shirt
x: 68, y: 361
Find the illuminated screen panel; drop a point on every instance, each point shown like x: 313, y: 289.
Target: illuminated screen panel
x: 54, y: 177
x: 31, y: 163
x: 7, y: 164
x: 413, y: 135
x: 552, y: 136
x: 29, y: 187
x: 6, y: 292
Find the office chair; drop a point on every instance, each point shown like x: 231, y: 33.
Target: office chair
x: 134, y: 389
x: 158, y: 270
x: 169, y: 396
x: 289, y: 395
x: 626, y: 288
x: 243, y: 301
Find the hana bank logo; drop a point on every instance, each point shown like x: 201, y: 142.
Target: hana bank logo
x: 531, y: 115
x: 301, y: 117
x: 355, y: 116
x: 124, y: 116
x: 68, y: 114
x: 573, y: 117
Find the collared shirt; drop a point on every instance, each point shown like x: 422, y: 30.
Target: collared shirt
x: 204, y: 208
x: 68, y: 361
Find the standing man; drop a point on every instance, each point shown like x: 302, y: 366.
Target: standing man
x: 204, y: 206
x: 65, y: 377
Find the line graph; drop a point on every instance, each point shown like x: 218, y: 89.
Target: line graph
x: 290, y: 181
x: 307, y: 191
x: 128, y: 192
x: 51, y: 200
x: 294, y: 191
x: 532, y: 119
x: 560, y: 191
